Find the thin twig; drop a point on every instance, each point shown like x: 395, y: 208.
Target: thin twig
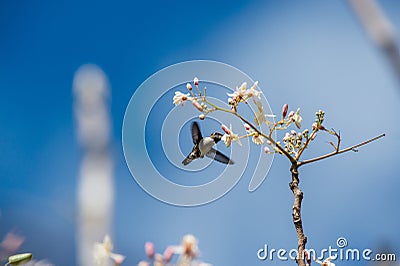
x: 306, y: 144
x: 339, y: 152
x: 292, y: 160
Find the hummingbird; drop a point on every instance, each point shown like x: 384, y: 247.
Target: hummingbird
x: 204, y: 147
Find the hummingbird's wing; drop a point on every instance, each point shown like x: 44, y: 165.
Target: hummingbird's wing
x: 218, y: 156
x: 196, y: 134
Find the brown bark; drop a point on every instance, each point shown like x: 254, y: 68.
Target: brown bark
x: 298, y: 224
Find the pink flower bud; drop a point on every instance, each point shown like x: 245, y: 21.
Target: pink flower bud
x: 202, y: 117
x: 294, y: 133
x: 196, y: 81
x: 269, y: 142
x: 291, y: 114
x: 168, y: 253
x: 247, y: 127
x: 285, y: 109
x: 197, y: 105
x: 149, y: 248
x: 12, y: 242
x: 226, y: 129
x: 267, y: 150
x: 308, y: 257
x: 189, y: 86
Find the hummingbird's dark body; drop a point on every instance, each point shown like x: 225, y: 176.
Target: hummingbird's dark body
x: 204, y: 147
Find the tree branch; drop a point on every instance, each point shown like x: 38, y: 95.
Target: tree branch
x: 338, y: 151
x: 296, y: 213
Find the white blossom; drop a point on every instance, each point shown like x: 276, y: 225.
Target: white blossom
x: 181, y: 98
x: 253, y: 92
x: 257, y: 139
x: 229, y: 136
x: 296, y: 118
x: 240, y: 92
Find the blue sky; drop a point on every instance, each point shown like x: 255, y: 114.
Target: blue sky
x: 311, y: 54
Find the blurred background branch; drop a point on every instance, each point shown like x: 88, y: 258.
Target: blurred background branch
x: 95, y: 185
x: 380, y: 30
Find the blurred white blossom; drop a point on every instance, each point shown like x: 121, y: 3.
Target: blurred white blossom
x: 10, y: 244
x: 326, y: 262
x: 102, y: 253
x: 187, y: 253
x: 39, y: 263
